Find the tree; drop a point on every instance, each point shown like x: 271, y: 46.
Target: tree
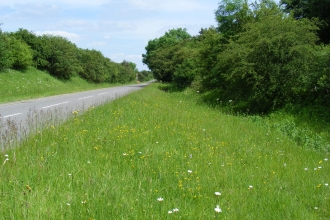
x: 269, y: 64
x: 231, y: 15
x: 20, y: 57
x: 211, y: 44
x: 93, y: 65
x: 312, y: 9
x: 170, y: 38
x: 4, y: 51
x: 61, y: 56
x: 36, y: 45
x: 161, y: 63
x: 130, y: 65
x: 145, y: 75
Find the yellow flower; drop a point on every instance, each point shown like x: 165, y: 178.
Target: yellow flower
x: 28, y: 188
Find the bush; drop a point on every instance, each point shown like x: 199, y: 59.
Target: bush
x: 61, y: 56
x: 269, y: 64
x: 93, y: 65
x: 20, y: 54
x: 4, y: 51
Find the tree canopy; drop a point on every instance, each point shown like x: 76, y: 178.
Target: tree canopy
x: 317, y: 9
x: 259, y: 57
x: 62, y: 58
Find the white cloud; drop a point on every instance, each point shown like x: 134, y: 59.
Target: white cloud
x: 135, y: 58
x: 77, y: 24
x: 92, y: 25
x: 71, y: 36
x: 35, y: 10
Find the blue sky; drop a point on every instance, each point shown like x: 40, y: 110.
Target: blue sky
x: 120, y: 29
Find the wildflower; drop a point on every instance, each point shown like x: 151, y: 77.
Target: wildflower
x: 306, y: 168
x: 217, y: 193
x: 68, y: 204
x: 28, y: 188
x: 124, y: 154
x: 69, y: 174
x: 316, y: 208
x: 319, y: 167
x: 326, y: 184
x: 230, y: 100
x: 189, y: 171
x: 325, y: 159
x: 160, y: 199
x: 217, y: 209
x: 6, y: 155
x: 88, y: 162
x: 175, y: 210
x: 170, y: 212
x: 83, y: 202
x: 75, y: 112
x: 250, y: 187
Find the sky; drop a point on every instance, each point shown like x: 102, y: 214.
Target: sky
x: 120, y: 29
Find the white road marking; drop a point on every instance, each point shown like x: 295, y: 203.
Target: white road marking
x: 85, y: 97
x: 55, y: 104
x: 102, y: 93
x: 11, y: 115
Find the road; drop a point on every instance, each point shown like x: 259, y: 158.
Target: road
x: 18, y: 117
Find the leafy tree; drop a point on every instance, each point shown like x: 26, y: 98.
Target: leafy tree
x: 145, y: 75
x: 270, y: 62
x: 36, y: 44
x: 312, y: 9
x: 231, y: 15
x: 61, y: 56
x: 211, y: 44
x: 186, y: 62
x: 161, y: 63
x: 20, y: 54
x: 94, y: 68
x: 4, y: 51
x: 169, y: 39
x: 127, y: 71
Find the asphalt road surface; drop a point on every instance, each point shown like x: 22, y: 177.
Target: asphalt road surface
x: 18, y: 114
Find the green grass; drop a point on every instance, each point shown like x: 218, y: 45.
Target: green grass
x: 115, y: 161
x: 33, y: 83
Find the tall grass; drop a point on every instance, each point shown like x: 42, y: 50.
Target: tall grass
x: 33, y: 83
x: 158, y: 155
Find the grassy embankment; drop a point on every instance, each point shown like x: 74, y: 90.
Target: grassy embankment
x: 151, y: 153
x: 33, y: 83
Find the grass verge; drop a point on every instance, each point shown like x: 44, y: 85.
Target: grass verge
x: 33, y: 83
x: 158, y: 155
